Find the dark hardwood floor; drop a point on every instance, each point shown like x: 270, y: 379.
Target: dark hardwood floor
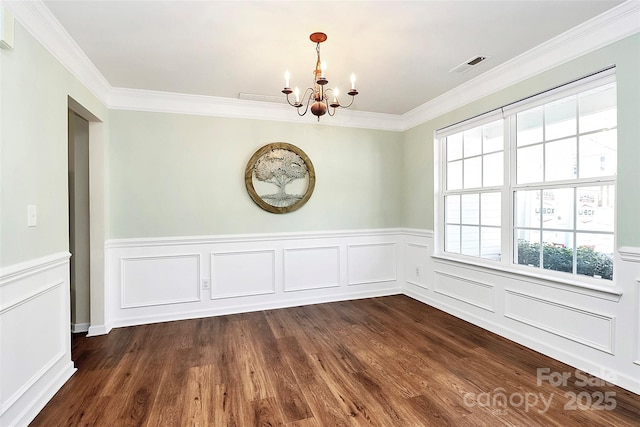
x: 388, y: 361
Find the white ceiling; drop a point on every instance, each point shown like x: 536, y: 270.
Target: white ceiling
x: 401, y: 51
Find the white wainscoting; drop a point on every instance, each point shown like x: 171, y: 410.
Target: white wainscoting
x: 631, y: 256
x: 154, y: 280
x: 595, y: 329
x: 35, y: 336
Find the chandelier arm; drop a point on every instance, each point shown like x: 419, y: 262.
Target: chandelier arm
x: 347, y: 106
x: 290, y: 103
x: 310, y: 93
x: 307, y: 90
x: 308, y: 102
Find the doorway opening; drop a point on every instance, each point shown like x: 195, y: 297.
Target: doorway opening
x: 88, y: 297
x: 79, y: 221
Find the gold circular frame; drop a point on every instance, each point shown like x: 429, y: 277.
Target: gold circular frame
x: 249, y: 176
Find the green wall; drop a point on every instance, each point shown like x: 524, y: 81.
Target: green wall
x: 33, y: 149
x: 183, y: 175
x: 419, y: 150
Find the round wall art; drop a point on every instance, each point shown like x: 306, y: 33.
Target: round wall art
x: 280, y: 177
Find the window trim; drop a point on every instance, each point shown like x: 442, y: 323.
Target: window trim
x: 508, y: 113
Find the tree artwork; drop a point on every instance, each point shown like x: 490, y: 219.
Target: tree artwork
x: 280, y: 166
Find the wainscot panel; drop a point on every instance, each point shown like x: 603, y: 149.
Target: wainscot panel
x: 243, y: 273
x: 151, y: 280
x: 583, y: 326
x: 371, y: 263
x: 36, y: 356
x: 472, y: 292
x: 637, y: 334
x: 311, y: 268
x: 416, y: 266
x: 188, y: 277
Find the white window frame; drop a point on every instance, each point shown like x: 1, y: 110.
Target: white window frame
x: 508, y: 114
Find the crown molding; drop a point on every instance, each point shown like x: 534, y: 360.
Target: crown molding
x: 611, y: 26
x: 615, y: 24
x: 36, y: 18
x: 167, y: 102
x: 45, y: 28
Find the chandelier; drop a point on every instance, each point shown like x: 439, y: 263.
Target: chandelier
x: 317, y: 96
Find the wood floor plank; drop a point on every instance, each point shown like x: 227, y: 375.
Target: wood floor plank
x: 354, y: 399
x: 84, y: 403
x: 325, y: 406
x: 137, y: 386
x: 199, y: 396
x: 394, y: 376
x: 280, y: 378
x: 389, y: 361
x: 266, y: 413
x: 168, y: 404
x: 429, y: 408
x: 251, y: 373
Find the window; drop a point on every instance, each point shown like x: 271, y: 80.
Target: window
x: 475, y: 164
x: 536, y: 183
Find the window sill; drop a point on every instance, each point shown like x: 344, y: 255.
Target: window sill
x: 610, y: 293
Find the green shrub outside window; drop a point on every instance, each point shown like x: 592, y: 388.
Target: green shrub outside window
x: 559, y: 258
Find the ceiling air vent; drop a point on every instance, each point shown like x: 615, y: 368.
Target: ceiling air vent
x: 469, y: 64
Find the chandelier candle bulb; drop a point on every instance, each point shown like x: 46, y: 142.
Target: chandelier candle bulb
x: 335, y: 96
x: 296, y: 92
x: 353, y: 81
x: 287, y: 77
x: 323, y: 67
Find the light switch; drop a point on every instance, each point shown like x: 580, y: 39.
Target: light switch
x: 32, y: 215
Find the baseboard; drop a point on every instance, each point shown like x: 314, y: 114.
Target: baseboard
x: 78, y: 328
x: 98, y: 330
x: 248, y: 308
x: 39, y: 401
